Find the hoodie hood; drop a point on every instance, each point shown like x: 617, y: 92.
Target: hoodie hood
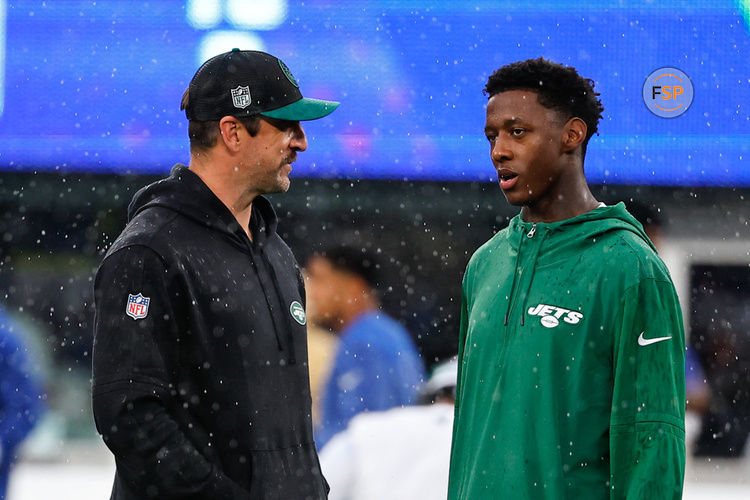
x: 591, y: 224
x: 185, y: 192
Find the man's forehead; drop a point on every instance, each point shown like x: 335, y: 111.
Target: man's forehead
x: 513, y: 99
x: 518, y: 105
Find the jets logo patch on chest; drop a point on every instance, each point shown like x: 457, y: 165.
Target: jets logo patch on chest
x: 552, y: 315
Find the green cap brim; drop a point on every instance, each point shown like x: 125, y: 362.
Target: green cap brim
x: 302, y: 110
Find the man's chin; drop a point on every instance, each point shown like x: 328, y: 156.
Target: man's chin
x: 514, y: 199
x: 282, y: 185
x: 518, y: 197
x: 284, y: 181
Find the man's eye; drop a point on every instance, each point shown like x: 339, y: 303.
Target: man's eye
x: 516, y: 132
x: 491, y: 138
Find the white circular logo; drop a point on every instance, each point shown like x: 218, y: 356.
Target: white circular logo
x: 550, y: 321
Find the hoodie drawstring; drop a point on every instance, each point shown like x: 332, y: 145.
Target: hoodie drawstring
x: 279, y: 344
x: 287, y: 315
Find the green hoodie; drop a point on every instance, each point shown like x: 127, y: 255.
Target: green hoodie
x: 571, y: 379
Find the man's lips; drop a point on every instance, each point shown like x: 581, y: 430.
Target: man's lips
x: 506, y: 185
x: 288, y: 161
x: 507, y: 178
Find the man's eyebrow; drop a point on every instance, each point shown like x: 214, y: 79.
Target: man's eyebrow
x: 512, y: 121
x: 506, y: 123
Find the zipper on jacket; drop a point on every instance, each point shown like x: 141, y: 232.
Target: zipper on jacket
x: 513, y: 283
x: 529, y: 266
x: 530, y: 281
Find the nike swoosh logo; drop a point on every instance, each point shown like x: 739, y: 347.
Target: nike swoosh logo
x: 645, y: 342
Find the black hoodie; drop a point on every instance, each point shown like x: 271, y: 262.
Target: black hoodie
x: 200, y: 384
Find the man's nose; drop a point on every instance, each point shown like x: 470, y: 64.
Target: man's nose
x: 501, y: 152
x: 299, y: 139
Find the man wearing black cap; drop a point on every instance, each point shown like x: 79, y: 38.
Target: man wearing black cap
x: 200, y: 382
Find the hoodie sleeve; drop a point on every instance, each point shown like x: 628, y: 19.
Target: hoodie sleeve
x: 132, y: 395
x: 647, y: 427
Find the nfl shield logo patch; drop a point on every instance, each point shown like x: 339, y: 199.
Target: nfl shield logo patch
x: 241, y: 97
x: 137, y: 307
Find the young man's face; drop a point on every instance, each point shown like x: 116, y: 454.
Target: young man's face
x: 270, y: 154
x: 327, y: 290
x: 526, y: 145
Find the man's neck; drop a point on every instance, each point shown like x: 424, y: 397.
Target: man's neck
x: 554, y: 213
x: 569, y: 198
x: 355, y: 308
x: 223, y: 184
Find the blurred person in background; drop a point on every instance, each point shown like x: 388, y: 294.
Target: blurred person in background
x: 321, y: 350
x: 398, y: 454
x: 650, y: 219
x: 322, y: 345
x: 571, y: 346
x: 201, y: 385
x: 21, y: 397
x: 376, y: 365
x: 721, y: 325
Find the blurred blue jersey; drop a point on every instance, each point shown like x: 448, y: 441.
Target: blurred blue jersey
x: 20, y: 395
x: 376, y: 368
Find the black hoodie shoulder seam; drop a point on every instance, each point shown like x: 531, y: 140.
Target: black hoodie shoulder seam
x: 149, y: 242
x: 142, y: 245
x: 160, y: 227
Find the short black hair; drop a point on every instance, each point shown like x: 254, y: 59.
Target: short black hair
x: 557, y: 87
x: 359, y: 261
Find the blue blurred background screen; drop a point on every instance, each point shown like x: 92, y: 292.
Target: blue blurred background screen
x: 95, y: 86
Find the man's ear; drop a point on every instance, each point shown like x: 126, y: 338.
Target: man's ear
x: 574, y: 133
x: 229, y: 128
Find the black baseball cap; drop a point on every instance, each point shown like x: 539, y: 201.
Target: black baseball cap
x: 247, y: 83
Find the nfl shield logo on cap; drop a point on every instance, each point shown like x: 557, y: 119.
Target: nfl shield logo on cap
x: 241, y: 97
x: 137, y: 307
